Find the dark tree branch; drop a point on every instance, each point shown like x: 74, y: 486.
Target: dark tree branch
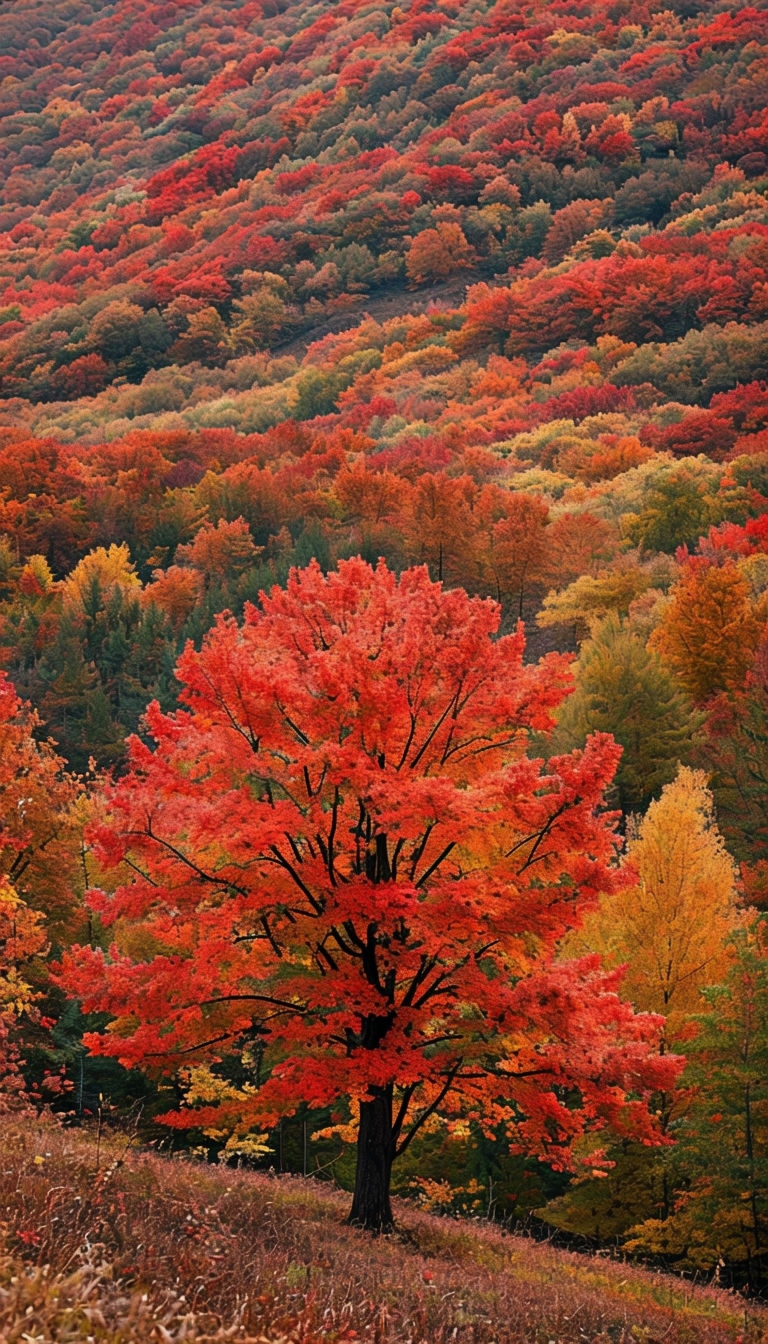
x: 316, y: 905
x: 436, y: 864
x: 429, y: 1110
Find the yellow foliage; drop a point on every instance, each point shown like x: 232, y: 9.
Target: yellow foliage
x: 21, y: 937
x: 346, y: 1130
x: 38, y: 571
x: 441, y: 1196
x: 108, y: 568
x: 245, y: 1145
x: 430, y: 359
x: 590, y: 598
x: 205, y: 1088
x: 694, y: 1243
x: 671, y: 927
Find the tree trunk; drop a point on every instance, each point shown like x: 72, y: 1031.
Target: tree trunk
x: 371, y: 1208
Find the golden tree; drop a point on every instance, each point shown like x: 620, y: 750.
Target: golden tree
x: 671, y: 928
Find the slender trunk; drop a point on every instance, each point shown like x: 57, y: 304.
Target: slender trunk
x: 751, y: 1161
x: 522, y: 593
x: 371, y: 1208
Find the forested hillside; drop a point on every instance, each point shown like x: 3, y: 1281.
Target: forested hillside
x: 289, y: 291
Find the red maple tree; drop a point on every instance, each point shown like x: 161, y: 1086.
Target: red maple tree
x: 341, y: 848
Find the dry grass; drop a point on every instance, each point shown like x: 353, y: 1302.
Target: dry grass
x: 137, y: 1247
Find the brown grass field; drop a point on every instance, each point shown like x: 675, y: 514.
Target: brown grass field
x: 109, y: 1243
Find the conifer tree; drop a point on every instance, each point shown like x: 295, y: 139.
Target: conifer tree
x: 735, y: 751
x: 720, y: 1215
x: 622, y: 688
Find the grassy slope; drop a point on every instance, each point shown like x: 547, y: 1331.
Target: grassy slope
x: 115, y: 1245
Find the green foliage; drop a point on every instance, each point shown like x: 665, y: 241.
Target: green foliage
x: 100, y: 670
x: 603, y: 1209
x: 678, y: 509
x: 623, y: 688
x: 700, y: 363
x: 736, y: 752
x: 671, y: 932
x: 720, y: 1161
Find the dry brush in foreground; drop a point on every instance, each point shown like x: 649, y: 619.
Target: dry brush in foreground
x: 113, y: 1244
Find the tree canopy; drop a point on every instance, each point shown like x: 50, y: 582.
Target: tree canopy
x: 340, y: 851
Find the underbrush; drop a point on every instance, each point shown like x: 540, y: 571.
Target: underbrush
x: 107, y: 1243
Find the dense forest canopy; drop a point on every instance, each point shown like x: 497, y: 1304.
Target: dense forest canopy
x: 481, y: 288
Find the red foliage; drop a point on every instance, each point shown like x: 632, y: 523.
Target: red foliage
x: 341, y: 843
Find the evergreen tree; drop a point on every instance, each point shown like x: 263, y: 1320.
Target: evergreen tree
x: 74, y: 703
x: 735, y: 751
x: 720, y: 1218
x: 622, y: 688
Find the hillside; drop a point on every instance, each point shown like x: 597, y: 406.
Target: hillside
x: 116, y: 1244
x: 189, y: 186
x: 384, y: 619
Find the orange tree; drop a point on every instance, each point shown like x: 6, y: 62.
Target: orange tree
x: 340, y: 848
x: 40, y: 862
x: 40, y: 826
